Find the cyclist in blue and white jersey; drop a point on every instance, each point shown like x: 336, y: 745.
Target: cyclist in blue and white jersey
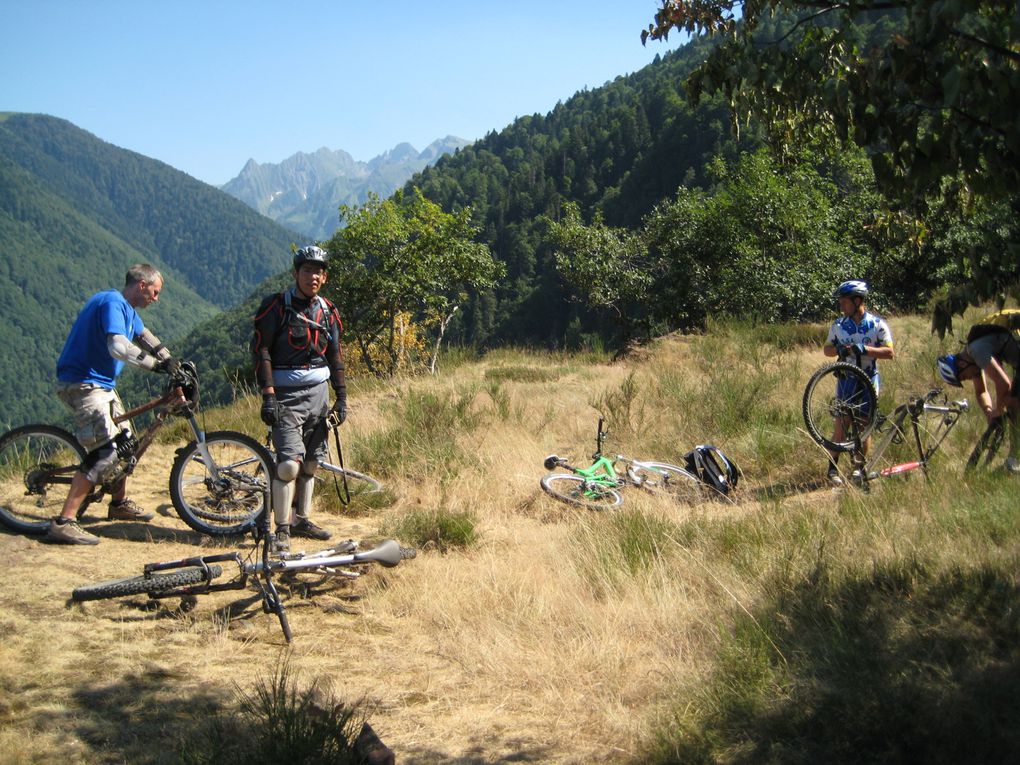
x: 862, y: 338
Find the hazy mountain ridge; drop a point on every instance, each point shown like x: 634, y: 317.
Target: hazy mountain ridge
x: 304, y: 191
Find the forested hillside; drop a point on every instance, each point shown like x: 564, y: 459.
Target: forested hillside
x: 75, y: 212
x: 620, y: 148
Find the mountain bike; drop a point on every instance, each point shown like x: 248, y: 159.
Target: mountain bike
x: 189, y: 577
x: 921, y: 425
x: 598, y: 486
x: 988, y: 445
x: 217, y: 481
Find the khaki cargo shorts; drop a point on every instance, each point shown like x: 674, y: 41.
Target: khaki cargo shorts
x: 94, y: 409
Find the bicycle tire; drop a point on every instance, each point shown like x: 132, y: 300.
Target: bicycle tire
x: 29, y: 497
x: 672, y: 481
x: 139, y: 585
x: 359, y: 483
x: 987, y: 446
x: 823, y: 403
x: 234, y: 503
x: 575, y: 490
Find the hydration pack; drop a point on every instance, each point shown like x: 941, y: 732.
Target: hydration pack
x: 713, y: 468
x: 1006, y: 320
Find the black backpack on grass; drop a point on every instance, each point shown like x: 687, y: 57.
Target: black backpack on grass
x: 713, y: 468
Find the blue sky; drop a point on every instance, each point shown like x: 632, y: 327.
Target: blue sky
x: 204, y: 86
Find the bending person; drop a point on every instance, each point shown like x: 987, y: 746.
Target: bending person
x: 992, y: 343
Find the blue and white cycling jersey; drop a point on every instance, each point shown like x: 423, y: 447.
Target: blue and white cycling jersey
x: 872, y: 330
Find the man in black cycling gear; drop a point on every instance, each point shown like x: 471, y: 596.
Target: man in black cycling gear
x: 297, y: 352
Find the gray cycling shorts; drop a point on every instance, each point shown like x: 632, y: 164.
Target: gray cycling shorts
x: 94, y: 409
x: 296, y: 434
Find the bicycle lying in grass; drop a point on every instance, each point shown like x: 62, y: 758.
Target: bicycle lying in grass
x: 843, y: 393
x: 598, y: 486
x: 217, y: 483
x: 189, y: 577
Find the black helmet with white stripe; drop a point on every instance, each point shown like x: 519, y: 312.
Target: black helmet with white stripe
x: 311, y: 254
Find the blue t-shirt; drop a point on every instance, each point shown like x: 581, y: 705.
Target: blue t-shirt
x: 85, y: 358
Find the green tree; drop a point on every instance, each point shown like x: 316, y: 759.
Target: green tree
x: 608, y: 268
x: 928, y: 87
x: 404, y: 256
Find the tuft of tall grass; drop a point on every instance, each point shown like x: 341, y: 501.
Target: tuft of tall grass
x: 614, y: 548
x: 421, y: 437
x: 432, y: 528
x: 280, y: 721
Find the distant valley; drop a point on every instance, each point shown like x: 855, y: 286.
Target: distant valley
x: 304, y: 191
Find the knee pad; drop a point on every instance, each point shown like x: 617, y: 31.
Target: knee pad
x: 100, y: 462
x: 288, y: 470
x: 309, y: 466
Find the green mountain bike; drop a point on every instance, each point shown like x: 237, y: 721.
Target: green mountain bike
x: 598, y: 486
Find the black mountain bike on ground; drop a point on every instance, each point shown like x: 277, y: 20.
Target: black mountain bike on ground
x: 218, y: 481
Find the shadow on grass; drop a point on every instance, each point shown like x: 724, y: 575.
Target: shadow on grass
x: 905, y: 664
x: 140, y: 718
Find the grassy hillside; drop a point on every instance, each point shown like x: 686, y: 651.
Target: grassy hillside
x: 75, y: 212
x: 796, y: 625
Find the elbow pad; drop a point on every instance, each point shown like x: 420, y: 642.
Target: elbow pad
x: 124, y: 350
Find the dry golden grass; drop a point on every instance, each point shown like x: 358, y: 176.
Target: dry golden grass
x: 535, y: 644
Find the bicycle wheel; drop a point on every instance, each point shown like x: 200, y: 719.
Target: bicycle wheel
x: 37, y: 463
x: 359, y: 483
x: 575, y: 490
x: 987, y: 446
x: 226, y: 497
x: 666, y: 480
x: 840, y: 391
x: 138, y: 585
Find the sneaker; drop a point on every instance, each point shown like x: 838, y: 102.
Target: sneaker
x: 1012, y: 465
x: 70, y: 533
x: 128, y: 510
x: 282, y: 542
x: 306, y: 528
x: 834, y: 477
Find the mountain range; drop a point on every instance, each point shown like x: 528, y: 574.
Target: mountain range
x: 75, y: 212
x: 304, y: 191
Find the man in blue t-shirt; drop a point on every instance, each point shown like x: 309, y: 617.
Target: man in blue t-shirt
x: 862, y: 337
x: 107, y: 334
